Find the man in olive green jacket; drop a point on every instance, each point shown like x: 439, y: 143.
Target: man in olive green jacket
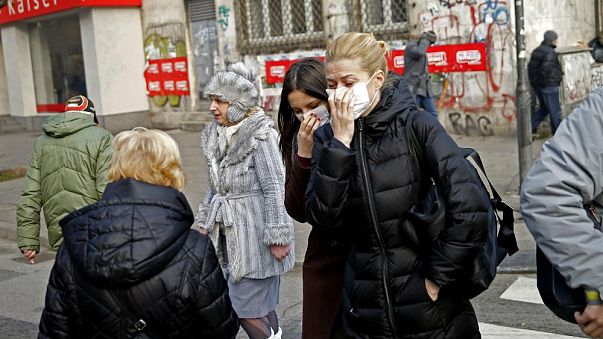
x: 68, y: 170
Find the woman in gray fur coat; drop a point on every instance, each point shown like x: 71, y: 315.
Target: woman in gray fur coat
x: 243, y: 212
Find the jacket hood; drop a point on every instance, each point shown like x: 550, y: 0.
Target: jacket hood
x: 130, y: 235
x: 64, y: 124
x: 395, y: 98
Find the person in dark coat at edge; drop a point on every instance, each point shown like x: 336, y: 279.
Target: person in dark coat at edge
x: 415, y: 71
x: 130, y: 264
x: 545, y: 75
x: 302, y: 110
x: 398, y: 284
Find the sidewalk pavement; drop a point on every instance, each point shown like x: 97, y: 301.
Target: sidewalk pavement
x: 498, y: 154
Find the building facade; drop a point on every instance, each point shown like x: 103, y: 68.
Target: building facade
x: 55, y: 49
x: 145, y: 62
x: 469, y: 102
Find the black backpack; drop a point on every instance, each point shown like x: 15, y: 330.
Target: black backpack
x: 556, y: 294
x: 428, y: 216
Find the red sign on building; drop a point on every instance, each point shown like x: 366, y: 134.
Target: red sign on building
x: 441, y: 59
x: 447, y: 58
x: 16, y: 10
x: 167, y: 77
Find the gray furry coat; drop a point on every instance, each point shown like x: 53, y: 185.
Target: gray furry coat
x: 246, y: 197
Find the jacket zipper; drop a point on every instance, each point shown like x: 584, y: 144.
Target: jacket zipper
x: 375, y: 223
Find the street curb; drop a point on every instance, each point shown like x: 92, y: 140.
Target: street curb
x: 522, y: 262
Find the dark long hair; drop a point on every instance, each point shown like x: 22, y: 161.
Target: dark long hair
x: 307, y: 76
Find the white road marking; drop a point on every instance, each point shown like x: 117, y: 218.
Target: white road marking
x: 523, y: 289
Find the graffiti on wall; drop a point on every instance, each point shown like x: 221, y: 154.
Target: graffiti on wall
x: 205, y: 51
x: 596, y: 77
x: 576, y: 76
x: 470, y: 124
x: 223, y: 15
x: 472, y: 97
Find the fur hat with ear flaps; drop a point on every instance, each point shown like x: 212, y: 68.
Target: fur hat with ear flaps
x: 237, y: 86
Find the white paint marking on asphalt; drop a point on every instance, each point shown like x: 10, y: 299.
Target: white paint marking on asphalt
x: 523, y: 289
x: 490, y: 331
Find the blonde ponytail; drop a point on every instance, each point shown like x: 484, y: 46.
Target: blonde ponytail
x: 370, y: 52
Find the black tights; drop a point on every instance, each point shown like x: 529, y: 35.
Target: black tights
x: 259, y: 328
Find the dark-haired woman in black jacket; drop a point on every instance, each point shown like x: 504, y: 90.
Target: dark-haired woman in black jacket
x: 130, y: 265
x: 364, y: 181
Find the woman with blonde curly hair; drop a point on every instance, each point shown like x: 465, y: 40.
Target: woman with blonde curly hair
x: 130, y: 264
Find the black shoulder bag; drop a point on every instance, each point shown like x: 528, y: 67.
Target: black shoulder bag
x: 556, y: 294
x: 429, y: 217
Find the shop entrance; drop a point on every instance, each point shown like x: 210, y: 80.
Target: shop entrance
x: 57, y: 60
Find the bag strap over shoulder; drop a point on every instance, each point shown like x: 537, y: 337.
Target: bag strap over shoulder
x: 506, y: 235
x: 416, y: 152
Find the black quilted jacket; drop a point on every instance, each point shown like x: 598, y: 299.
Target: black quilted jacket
x: 544, y: 68
x: 366, y: 192
x: 132, y: 256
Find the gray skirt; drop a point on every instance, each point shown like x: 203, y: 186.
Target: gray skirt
x: 254, y: 298
x: 251, y: 298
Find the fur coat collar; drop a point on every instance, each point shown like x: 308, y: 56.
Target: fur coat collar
x: 251, y: 131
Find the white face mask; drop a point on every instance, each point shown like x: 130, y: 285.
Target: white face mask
x: 361, y: 96
x: 320, y: 111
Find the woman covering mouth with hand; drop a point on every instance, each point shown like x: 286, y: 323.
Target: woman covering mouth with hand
x: 302, y: 111
x: 364, y: 181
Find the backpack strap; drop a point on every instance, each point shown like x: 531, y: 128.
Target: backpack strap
x: 506, y: 235
x: 416, y: 154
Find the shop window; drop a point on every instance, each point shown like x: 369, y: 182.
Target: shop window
x: 57, y: 60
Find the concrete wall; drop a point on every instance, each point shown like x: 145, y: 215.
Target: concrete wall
x: 114, y: 59
x: 483, y: 102
x: 4, y: 108
x: 21, y: 92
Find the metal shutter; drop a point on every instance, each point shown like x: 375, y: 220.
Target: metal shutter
x: 200, y: 10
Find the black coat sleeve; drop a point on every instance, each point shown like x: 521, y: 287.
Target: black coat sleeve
x: 466, y: 201
x: 327, y: 195
x: 60, y: 308
x: 212, y: 305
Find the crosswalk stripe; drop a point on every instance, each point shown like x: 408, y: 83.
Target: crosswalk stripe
x: 490, y: 331
x: 523, y: 289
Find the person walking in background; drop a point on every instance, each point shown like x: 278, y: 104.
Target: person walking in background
x: 243, y: 211
x: 364, y: 181
x: 597, y: 45
x: 567, y: 175
x: 130, y: 264
x: 302, y: 110
x: 68, y: 170
x: 544, y: 73
x: 415, y: 71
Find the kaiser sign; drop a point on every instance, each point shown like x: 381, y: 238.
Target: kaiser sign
x: 16, y: 10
